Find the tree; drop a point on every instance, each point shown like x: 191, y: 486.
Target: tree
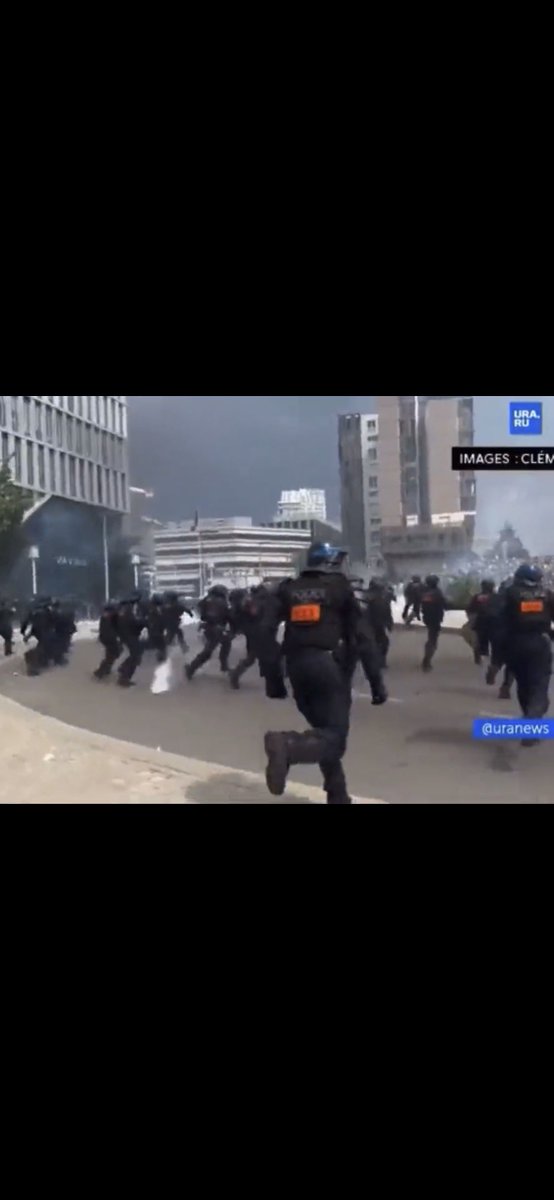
x: 14, y: 502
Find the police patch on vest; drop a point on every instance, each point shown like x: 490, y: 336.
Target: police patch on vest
x: 305, y: 614
x: 531, y: 606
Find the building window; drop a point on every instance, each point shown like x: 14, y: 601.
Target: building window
x: 63, y: 475
x: 15, y: 413
x: 108, y: 489
x: 4, y: 447
x: 49, y: 425
x: 82, y: 479
x: 72, y: 477
x: 375, y: 520
x: 30, y: 465
x: 71, y: 404
x: 120, y: 419
x: 371, y: 426
x: 372, y: 455
x: 59, y: 429
x: 87, y: 440
x: 116, y: 490
x: 17, y: 458
x: 52, y: 470
x: 99, y: 485
x: 78, y: 437
x: 91, y: 482
x: 78, y: 402
x: 375, y: 537
x: 113, y: 408
x: 69, y: 437
x: 27, y: 416
x: 104, y: 453
x: 38, y: 421
x: 2, y: 411
x: 123, y: 490
x: 373, y: 481
x: 41, y: 471
x: 102, y: 401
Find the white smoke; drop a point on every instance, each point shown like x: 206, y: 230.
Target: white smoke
x: 166, y: 674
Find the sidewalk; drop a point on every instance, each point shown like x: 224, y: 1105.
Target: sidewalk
x: 44, y: 761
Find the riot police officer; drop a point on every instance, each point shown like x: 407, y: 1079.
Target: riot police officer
x: 528, y: 612
x: 368, y: 653
x: 131, y: 620
x: 481, y: 611
x: 39, y: 623
x: 246, y: 618
x: 433, y: 608
x: 156, y: 626
x: 214, y: 617
x: 174, y: 608
x: 7, y: 613
x: 412, y: 598
x: 108, y: 636
x: 379, y: 606
x: 321, y: 627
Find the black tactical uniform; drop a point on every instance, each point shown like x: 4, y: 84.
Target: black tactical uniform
x: 173, y: 611
x: 527, y: 615
x: 482, y: 612
x: 131, y: 621
x: 322, y: 617
x: 39, y: 623
x: 246, y: 620
x: 64, y: 627
x: 412, y: 597
x: 7, y: 614
x: 380, y: 616
x: 108, y: 636
x: 156, y: 627
x: 214, y: 617
x: 368, y: 653
x: 433, y: 608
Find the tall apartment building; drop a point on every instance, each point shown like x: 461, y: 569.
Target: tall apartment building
x: 395, y: 467
x: 70, y: 453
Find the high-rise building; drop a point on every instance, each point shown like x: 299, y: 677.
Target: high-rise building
x: 70, y: 453
x: 395, y: 465
x: 306, y: 504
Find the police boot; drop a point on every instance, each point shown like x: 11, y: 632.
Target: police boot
x: 379, y: 695
x: 477, y: 658
x: 339, y: 797
x: 234, y: 680
x: 189, y: 671
x: 491, y: 674
x: 426, y: 665
x: 504, y: 693
x: 285, y: 750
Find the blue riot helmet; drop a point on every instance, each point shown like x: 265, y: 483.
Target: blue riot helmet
x: 527, y: 574
x: 322, y: 554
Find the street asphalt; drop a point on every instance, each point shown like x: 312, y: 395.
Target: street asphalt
x: 418, y: 748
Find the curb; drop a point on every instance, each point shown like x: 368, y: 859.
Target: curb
x: 234, y: 786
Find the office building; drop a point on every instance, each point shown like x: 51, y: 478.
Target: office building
x: 306, y: 504
x: 395, y: 468
x: 231, y: 550
x: 70, y: 454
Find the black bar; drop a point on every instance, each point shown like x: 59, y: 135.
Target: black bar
x: 502, y: 458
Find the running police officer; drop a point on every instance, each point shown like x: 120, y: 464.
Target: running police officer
x: 380, y: 615
x: 7, y: 613
x: 174, y: 609
x: 412, y: 597
x: 528, y: 613
x: 481, y: 612
x: 433, y: 608
x: 247, y: 621
x: 321, y: 626
x: 368, y: 652
x: 214, y: 617
x: 131, y: 620
x: 108, y: 636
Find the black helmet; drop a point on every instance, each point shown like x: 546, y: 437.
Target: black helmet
x: 218, y: 590
x: 416, y: 578
x: 432, y: 581
x: 170, y: 597
x: 156, y: 598
x: 488, y: 585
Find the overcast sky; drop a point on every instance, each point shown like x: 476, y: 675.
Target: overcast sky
x: 233, y: 455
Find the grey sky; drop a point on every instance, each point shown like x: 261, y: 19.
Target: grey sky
x: 232, y: 455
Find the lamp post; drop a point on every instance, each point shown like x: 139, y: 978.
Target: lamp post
x: 135, y: 562
x: 34, y: 555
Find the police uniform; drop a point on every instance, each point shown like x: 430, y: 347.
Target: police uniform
x: 527, y: 615
x: 108, y: 636
x: 380, y: 616
x: 174, y: 609
x: 156, y: 626
x: 131, y: 621
x: 368, y: 653
x: 321, y: 625
x: 481, y: 611
x: 39, y: 623
x: 433, y: 607
x: 214, y: 615
x: 7, y: 614
x: 246, y: 618
x: 412, y: 598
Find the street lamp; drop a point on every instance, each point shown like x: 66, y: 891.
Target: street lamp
x: 135, y: 562
x: 34, y: 555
